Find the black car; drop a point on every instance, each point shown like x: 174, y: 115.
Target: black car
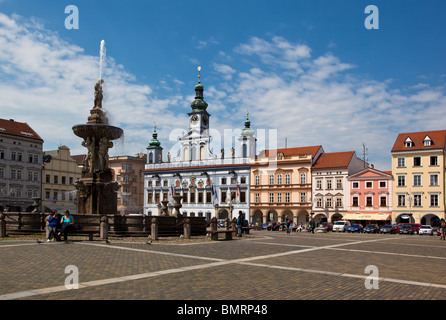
x: 371, y: 228
x: 388, y: 228
x: 406, y: 229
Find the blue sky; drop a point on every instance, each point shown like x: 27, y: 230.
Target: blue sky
x: 309, y: 69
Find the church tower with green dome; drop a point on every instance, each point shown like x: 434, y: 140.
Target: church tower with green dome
x: 195, y: 144
x: 154, y: 150
x: 247, y: 140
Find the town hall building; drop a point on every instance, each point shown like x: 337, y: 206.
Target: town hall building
x: 212, y: 185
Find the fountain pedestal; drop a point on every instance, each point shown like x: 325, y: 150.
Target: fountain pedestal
x: 96, y: 190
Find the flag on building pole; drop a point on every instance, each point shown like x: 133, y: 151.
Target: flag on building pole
x: 171, y: 189
x: 214, y: 195
x: 238, y: 193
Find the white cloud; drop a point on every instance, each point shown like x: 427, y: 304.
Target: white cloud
x: 324, y: 104
x: 49, y: 83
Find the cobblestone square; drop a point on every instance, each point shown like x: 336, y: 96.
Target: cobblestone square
x: 267, y: 265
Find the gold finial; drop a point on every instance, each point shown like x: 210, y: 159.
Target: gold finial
x: 154, y: 125
x: 199, y: 76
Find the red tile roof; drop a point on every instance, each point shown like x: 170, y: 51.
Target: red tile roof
x: 334, y: 160
x: 19, y: 129
x: 313, y: 150
x: 438, y: 140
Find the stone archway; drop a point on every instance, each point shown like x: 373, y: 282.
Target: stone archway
x: 303, y: 217
x: 272, y: 215
x: 285, y: 213
x: 430, y: 219
x: 257, y: 217
x: 319, y: 218
x: 336, y: 217
x: 404, y: 218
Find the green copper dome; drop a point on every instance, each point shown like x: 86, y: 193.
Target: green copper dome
x: 154, y: 143
x: 247, y: 131
x: 199, y: 105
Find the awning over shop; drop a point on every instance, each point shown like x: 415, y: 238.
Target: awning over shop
x: 367, y: 216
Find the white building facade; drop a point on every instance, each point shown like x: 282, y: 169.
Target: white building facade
x: 212, y: 185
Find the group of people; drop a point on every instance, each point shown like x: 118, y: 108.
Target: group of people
x: 288, y: 226
x: 59, y: 225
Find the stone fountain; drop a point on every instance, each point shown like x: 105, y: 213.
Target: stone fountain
x: 96, y: 190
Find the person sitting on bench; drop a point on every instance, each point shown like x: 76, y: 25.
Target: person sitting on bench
x: 67, y: 222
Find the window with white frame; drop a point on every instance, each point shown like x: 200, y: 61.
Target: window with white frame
x: 318, y: 202
x: 401, y: 181
x: 433, y: 161
x: 279, y: 197
x: 417, y: 180
x: 303, y: 179
x: 329, y: 184
x: 303, y: 196
x: 271, y: 179
x: 328, y: 203
x: 338, y: 202
x: 434, y: 200
x: 417, y: 161
x: 433, y: 178
x: 257, y: 197
x: 287, y: 178
x: 401, y: 162
x: 355, y: 185
x: 417, y: 200
x: 271, y: 197
x: 287, y: 197
x: 279, y: 178
x: 318, y: 184
x: 257, y: 180
x: 338, y: 183
x: 401, y: 200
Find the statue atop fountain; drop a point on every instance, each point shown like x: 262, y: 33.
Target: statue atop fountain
x: 96, y: 190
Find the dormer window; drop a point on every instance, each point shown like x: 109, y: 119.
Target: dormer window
x: 427, y: 141
x: 408, y: 143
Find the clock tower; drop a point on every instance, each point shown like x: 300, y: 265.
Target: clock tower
x: 195, y: 145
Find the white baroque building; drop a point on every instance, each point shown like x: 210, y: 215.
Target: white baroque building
x: 211, y: 185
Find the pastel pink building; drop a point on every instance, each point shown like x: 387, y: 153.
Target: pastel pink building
x: 370, y: 197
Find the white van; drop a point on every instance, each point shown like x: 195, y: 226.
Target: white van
x: 341, y: 226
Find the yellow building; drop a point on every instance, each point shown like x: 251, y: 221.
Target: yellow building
x: 418, y: 168
x: 60, y: 171
x: 128, y: 172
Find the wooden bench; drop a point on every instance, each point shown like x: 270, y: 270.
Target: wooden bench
x: 245, y: 230
x: 81, y: 232
x: 228, y: 234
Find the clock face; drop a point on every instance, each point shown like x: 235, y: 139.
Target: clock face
x: 194, y: 119
x: 205, y: 120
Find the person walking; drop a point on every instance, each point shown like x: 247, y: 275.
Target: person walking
x: 288, y: 225
x: 312, y: 225
x: 67, y: 222
x: 52, y: 224
x: 442, y: 229
x: 239, y: 223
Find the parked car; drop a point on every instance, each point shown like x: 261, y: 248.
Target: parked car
x: 341, y: 226
x: 371, y: 228
x: 416, y: 227
x: 406, y: 229
x: 387, y: 228
x: 328, y: 226
x: 355, y: 228
x: 426, y: 229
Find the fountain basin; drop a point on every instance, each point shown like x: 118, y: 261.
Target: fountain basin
x: 97, y: 130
